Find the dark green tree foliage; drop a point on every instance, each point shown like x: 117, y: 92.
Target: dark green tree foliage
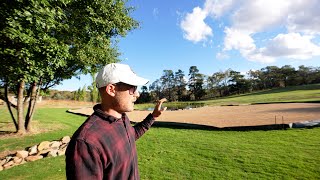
x: 145, y: 96
x: 196, y: 82
x: 167, y: 81
x: 46, y: 41
x: 156, y: 90
x: 180, y: 84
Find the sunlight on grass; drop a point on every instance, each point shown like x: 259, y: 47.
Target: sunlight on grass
x: 169, y: 153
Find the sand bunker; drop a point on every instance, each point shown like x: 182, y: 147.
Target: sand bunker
x: 229, y: 116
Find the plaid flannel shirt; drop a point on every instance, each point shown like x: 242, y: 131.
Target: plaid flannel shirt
x: 104, y: 147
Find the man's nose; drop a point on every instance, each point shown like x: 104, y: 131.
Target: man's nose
x: 137, y: 94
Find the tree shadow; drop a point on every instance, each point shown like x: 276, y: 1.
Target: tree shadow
x: 7, y: 133
x: 177, y: 125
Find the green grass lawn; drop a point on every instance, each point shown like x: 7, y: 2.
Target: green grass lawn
x: 56, y: 122
x: 308, y: 93
x: 171, y: 153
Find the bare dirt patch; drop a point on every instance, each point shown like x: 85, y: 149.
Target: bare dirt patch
x: 63, y: 104
x: 229, y: 116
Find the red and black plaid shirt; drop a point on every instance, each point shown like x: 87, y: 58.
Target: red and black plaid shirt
x: 104, y: 147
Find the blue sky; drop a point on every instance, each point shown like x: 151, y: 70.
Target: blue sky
x: 216, y: 35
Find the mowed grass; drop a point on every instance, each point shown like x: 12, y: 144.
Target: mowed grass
x: 308, y: 94
x: 175, y: 153
x: 169, y: 153
x: 49, y: 123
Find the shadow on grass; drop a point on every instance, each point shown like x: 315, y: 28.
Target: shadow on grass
x: 176, y: 125
x: 4, y: 134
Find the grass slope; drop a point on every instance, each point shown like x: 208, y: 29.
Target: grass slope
x: 308, y: 93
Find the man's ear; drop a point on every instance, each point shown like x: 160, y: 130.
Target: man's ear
x: 111, y: 90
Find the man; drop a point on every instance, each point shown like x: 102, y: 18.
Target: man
x: 104, y: 145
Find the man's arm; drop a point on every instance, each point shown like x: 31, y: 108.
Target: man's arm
x: 141, y: 127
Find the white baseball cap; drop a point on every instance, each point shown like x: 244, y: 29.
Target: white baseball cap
x: 115, y: 72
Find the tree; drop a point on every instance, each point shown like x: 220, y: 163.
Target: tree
x: 144, y: 95
x: 167, y: 81
x: 271, y: 76
x: 180, y: 84
x: 50, y: 40
x: 156, y: 90
x: 195, y: 84
x: 238, y: 83
x: 304, y: 75
x: 94, y: 94
x: 215, y: 82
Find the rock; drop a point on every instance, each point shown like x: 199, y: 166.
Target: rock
x: 44, y: 152
x: 62, y: 152
x: 2, y: 162
x: 33, y: 150
x: 66, y: 139
x: 22, y: 154
x: 8, y: 158
x: 44, y: 149
x: 53, y: 153
x: 63, y: 146
x: 33, y: 158
x: 55, y: 144
x: 17, y: 160
x: 8, y: 164
x: 44, y: 145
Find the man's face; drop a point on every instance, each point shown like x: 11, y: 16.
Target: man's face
x: 125, y: 97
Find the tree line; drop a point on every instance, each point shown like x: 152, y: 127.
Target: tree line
x: 176, y: 86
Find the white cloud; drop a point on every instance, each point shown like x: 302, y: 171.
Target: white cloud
x: 238, y: 40
x: 218, y: 8
x: 292, y: 45
x: 259, y: 15
x: 194, y: 27
x: 304, y: 17
x: 294, y: 26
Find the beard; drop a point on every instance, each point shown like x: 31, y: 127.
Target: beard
x: 123, y: 104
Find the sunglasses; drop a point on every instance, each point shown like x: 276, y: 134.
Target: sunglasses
x: 132, y: 89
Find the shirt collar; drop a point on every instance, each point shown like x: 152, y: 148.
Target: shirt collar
x: 105, y: 116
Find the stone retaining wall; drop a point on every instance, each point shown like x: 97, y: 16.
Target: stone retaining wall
x: 33, y: 153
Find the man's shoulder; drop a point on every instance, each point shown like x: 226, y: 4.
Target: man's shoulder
x: 94, y: 125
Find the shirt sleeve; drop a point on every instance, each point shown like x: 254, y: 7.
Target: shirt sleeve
x: 83, y: 161
x: 141, y: 127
